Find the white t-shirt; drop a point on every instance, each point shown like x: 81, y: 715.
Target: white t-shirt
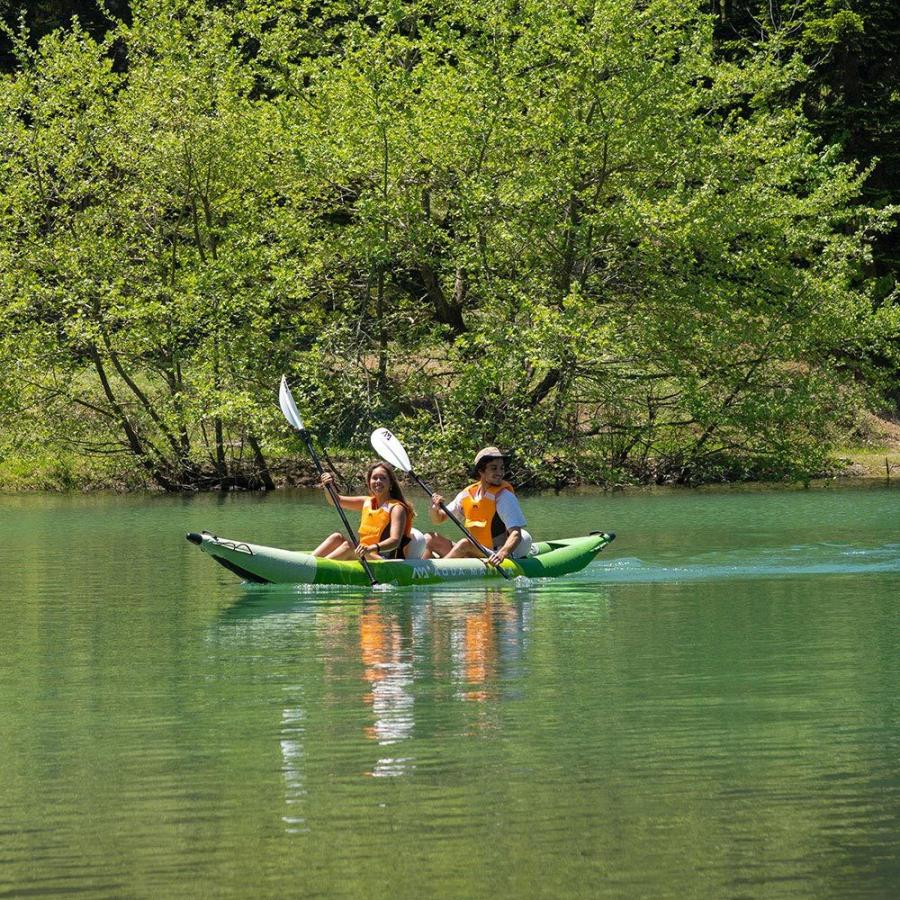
x: 507, y: 508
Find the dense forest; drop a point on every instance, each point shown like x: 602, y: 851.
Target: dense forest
x: 632, y: 240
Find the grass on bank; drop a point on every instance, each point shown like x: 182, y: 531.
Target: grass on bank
x: 871, y: 462
x: 876, y: 453
x: 60, y: 470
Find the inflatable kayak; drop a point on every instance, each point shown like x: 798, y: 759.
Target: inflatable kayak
x: 270, y: 565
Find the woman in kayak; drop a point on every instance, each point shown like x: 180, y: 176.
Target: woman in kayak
x: 385, y: 525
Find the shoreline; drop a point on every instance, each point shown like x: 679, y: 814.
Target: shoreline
x: 861, y: 467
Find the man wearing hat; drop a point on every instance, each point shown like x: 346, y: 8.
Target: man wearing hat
x: 491, y: 512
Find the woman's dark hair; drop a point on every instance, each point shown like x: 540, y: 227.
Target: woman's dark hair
x: 395, y: 492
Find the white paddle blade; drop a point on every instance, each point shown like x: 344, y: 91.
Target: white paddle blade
x: 390, y: 449
x: 288, y: 407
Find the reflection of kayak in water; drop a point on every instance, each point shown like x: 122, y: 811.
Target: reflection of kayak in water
x: 252, y: 562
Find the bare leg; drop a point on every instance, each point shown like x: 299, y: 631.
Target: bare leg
x: 436, y: 544
x: 464, y: 549
x: 344, y: 550
x: 332, y: 542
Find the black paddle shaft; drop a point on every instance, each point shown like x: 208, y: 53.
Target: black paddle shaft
x: 472, y: 539
x: 337, y: 503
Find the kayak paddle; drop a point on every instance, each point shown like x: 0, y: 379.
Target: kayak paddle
x: 391, y: 450
x: 289, y: 408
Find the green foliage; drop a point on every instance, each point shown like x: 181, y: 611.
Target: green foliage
x: 573, y: 229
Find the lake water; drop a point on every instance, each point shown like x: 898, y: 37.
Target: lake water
x: 711, y: 709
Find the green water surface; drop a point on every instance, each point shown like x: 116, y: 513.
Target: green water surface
x: 712, y: 709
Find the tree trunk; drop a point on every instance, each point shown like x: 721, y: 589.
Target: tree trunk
x: 447, y: 313
x: 135, y: 444
x: 262, y: 467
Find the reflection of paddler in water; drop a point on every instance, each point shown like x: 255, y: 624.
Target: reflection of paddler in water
x: 389, y: 671
x: 484, y: 636
x: 480, y: 649
x: 385, y: 525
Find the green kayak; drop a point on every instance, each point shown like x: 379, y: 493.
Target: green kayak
x: 270, y: 565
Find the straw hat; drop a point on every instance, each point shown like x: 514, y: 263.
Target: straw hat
x: 488, y: 453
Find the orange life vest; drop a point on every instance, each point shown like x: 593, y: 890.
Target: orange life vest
x: 375, y: 523
x: 481, y: 514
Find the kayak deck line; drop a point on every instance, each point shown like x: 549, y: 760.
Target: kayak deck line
x: 273, y: 565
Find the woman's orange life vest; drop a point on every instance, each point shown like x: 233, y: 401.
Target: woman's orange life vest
x: 481, y: 514
x: 375, y: 522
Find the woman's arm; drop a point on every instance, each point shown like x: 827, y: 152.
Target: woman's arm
x: 346, y: 502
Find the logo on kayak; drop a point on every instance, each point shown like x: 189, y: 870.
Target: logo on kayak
x: 420, y: 572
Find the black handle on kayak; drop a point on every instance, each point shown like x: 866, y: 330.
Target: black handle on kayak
x: 472, y: 539
x: 337, y: 503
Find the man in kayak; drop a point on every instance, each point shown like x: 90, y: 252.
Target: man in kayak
x: 491, y: 511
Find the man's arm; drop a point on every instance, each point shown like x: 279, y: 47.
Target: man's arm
x: 435, y: 513
x: 513, y: 520
x: 510, y: 544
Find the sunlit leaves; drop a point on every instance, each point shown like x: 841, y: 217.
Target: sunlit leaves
x: 567, y: 227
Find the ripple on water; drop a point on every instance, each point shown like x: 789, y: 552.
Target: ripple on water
x: 811, y: 560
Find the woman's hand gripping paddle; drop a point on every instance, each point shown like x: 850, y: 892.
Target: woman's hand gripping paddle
x: 391, y: 450
x: 289, y: 408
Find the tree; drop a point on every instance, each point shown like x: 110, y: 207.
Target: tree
x: 137, y: 247
x: 648, y: 257
x: 581, y: 230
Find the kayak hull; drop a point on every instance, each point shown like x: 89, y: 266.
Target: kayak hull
x: 272, y: 565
